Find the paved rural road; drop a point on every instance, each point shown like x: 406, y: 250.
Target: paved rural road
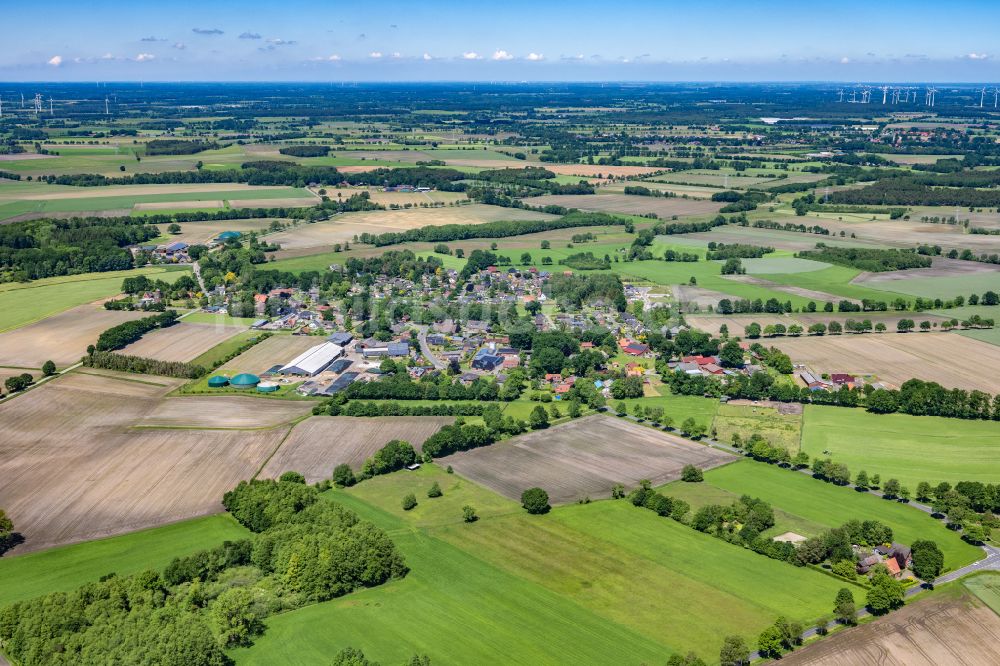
x: 197, y: 273
x: 426, y: 350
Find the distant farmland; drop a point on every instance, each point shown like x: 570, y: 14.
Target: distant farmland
x: 629, y: 204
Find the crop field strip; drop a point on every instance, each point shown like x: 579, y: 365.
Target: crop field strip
x: 181, y: 342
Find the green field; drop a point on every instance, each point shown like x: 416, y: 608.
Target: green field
x: 597, y: 583
x: 908, y: 448
x: 746, y: 420
x: 819, y: 502
x: 26, y: 302
x: 835, y: 280
x: 68, y: 567
x: 224, y: 348
x: 677, y: 407
x: 986, y: 586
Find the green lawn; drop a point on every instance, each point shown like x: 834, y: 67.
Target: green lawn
x: 26, y: 302
x: 67, y: 567
x: 218, y: 319
x: 909, y: 448
x: 949, y: 287
x: 597, y: 583
x: 819, y: 502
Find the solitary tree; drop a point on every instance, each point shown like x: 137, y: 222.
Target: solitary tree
x: 538, y: 419
x: 409, y: 502
x: 734, y: 652
x: 434, y: 490
x: 535, y: 501
x: 48, y: 368
x: 691, y: 474
x: 928, y: 559
x: 844, y: 609
x: 174, y: 228
x: 469, y: 514
x: 343, y: 476
x: 769, y: 643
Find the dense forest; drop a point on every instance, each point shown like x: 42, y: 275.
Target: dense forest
x: 867, y: 259
x: 45, y: 248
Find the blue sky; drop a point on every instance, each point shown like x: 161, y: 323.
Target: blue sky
x: 768, y: 40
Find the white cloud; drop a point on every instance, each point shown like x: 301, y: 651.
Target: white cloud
x: 978, y: 56
x: 396, y: 55
x: 55, y: 61
x: 145, y: 57
x: 334, y: 58
x: 845, y: 60
x: 534, y: 57
x: 107, y: 56
x: 375, y: 54
x: 578, y: 56
x: 500, y: 54
x: 180, y: 46
x: 428, y: 56
x: 471, y: 55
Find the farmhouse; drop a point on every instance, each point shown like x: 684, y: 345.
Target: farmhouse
x: 485, y: 360
x: 313, y: 361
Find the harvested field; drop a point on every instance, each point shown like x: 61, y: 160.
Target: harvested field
x: 181, y: 342
x: 907, y: 234
x: 277, y: 349
x: 320, y: 443
x: 74, y: 470
x: 703, y: 298
x: 63, y: 338
x: 787, y: 289
x: 201, y: 233
x: 110, y: 191
x: 599, y: 171
x: 897, y: 357
x: 940, y: 267
x: 344, y: 227
x: 737, y: 323
x: 582, y: 458
x: 955, y: 629
x: 17, y: 157
x: 629, y: 204
x: 222, y: 411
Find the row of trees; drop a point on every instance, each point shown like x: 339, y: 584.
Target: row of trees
x: 867, y: 259
x: 128, y: 332
x: 107, y: 360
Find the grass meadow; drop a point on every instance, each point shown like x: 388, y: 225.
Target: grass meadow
x: 908, y: 448
x: 577, y: 585
x: 829, y: 505
x: 25, y: 302
x: 68, y: 567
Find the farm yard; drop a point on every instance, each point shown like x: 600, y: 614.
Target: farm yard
x: 75, y: 469
x: 897, y: 357
x: 909, y: 448
x: 181, y: 342
x: 951, y: 628
x: 62, y: 338
x: 320, y: 443
x: 582, y: 458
